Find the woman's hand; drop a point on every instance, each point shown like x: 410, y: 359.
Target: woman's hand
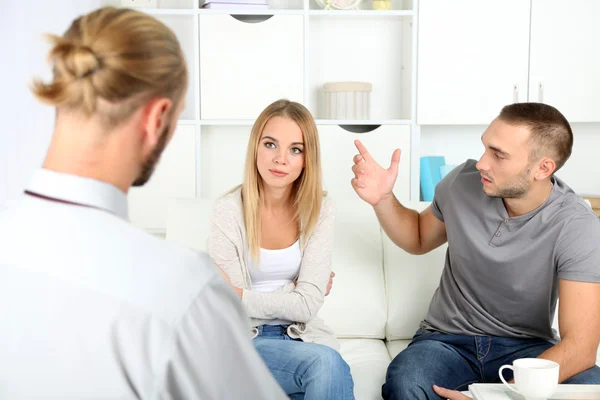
x: 236, y: 289
x: 329, y: 285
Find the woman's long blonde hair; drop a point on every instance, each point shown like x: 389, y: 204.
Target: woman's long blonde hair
x: 307, y: 191
x: 110, y: 62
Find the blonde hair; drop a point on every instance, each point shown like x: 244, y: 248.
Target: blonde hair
x: 121, y: 56
x: 307, y: 191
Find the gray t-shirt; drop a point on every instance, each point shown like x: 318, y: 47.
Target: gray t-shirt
x: 501, y: 274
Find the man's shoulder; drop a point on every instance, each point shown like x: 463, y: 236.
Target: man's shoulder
x: 120, y: 261
x: 575, y: 215
x: 176, y: 274
x: 569, y: 207
x: 159, y: 277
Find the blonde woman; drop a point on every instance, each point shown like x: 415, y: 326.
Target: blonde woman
x: 272, y: 237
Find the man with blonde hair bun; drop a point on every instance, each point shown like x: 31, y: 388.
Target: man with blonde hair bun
x: 92, y: 307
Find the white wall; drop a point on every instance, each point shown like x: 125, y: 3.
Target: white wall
x: 457, y: 143
x: 26, y: 124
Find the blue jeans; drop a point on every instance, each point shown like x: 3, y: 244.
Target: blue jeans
x: 456, y: 361
x: 304, y: 370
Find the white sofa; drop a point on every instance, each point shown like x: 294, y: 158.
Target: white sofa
x: 380, y: 292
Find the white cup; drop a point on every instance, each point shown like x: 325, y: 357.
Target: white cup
x: 535, y: 378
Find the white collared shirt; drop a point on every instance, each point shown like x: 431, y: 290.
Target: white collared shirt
x: 94, y: 308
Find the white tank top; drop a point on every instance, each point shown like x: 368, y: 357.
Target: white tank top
x: 276, y: 269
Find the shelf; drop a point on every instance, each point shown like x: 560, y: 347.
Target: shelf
x: 186, y: 122
x: 361, y: 13
x: 364, y: 122
x: 250, y: 122
x: 316, y: 13
x: 251, y: 12
x: 227, y: 122
x: 233, y: 11
x: 168, y: 11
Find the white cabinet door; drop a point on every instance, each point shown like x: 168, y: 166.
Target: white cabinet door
x: 246, y: 66
x: 175, y: 176
x: 565, y: 57
x: 337, y: 151
x: 472, y: 59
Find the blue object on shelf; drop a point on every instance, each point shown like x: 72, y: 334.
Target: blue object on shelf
x: 444, y: 169
x: 430, y: 175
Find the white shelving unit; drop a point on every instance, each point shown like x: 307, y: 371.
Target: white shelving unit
x: 242, y: 60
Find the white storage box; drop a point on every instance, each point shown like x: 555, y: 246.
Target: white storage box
x: 139, y: 3
x: 347, y: 100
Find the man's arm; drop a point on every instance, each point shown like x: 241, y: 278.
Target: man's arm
x: 578, y: 263
x: 579, y: 324
x: 413, y: 232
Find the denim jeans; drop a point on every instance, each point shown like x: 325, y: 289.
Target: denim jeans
x: 304, y: 370
x: 456, y: 361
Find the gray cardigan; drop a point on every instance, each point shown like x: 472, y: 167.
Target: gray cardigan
x: 228, y: 247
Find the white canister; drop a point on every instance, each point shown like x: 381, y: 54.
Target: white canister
x: 347, y: 100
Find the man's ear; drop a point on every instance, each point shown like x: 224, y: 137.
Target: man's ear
x: 546, y: 168
x: 155, y: 117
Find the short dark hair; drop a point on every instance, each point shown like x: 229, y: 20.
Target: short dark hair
x: 551, y: 134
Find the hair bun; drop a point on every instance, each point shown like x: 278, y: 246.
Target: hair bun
x: 109, y: 57
x: 73, y: 60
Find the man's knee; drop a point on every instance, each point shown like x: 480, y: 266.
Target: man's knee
x: 406, y: 378
x: 400, y: 387
x: 414, y: 371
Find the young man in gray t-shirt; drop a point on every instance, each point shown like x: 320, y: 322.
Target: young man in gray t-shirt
x: 518, y: 237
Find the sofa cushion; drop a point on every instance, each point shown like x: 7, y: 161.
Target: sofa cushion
x: 356, y: 306
x: 411, y: 281
x: 368, y: 360
x: 396, y: 346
